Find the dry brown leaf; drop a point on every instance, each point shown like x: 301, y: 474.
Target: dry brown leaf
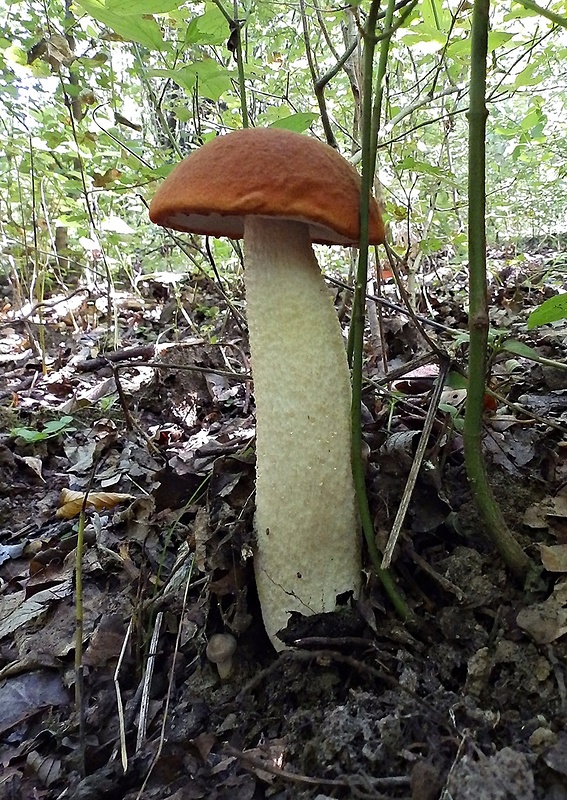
x: 539, y: 514
x: 35, y: 465
x: 106, y: 642
x: 102, y: 181
x: 25, y: 695
x: 554, y: 557
x: 16, y: 610
x: 545, y: 622
x: 71, y: 502
x: 47, y: 768
x: 204, y: 743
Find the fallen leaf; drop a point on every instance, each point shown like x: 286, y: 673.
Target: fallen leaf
x: 47, y: 768
x: 8, y: 551
x: 22, y: 696
x: 545, y: 622
x: 71, y: 502
x: 16, y: 611
x: 35, y: 465
x: 554, y: 557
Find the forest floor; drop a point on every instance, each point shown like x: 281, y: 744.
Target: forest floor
x: 467, y: 703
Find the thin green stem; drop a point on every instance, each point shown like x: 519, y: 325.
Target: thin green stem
x: 156, y: 104
x: 379, y: 92
x: 356, y: 338
x: 235, y: 31
x: 241, y: 83
x: 504, y: 540
x: 558, y: 19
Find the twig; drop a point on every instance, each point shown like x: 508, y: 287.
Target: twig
x: 161, y: 742
x: 319, y: 89
x: 332, y: 655
x: 312, y: 655
x: 127, y: 354
x: 398, y: 309
x: 43, y: 304
x: 234, y: 376
x: 416, y: 466
x: 119, y: 703
x: 443, y: 582
x: 149, y: 671
x: 181, y: 245
x: 350, y: 781
x: 123, y: 401
x: 526, y: 412
x: 235, y: 26
x: 79, y: 614
x: 409, y: 310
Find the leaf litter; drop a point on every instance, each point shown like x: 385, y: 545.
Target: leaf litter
x: 159, y: 453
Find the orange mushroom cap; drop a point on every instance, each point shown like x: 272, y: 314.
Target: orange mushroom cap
x: 269, y: 172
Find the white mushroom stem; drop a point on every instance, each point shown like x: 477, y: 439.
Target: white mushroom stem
x: 308, y: 541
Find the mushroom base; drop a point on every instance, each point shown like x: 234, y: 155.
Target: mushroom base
x: 308, y: 538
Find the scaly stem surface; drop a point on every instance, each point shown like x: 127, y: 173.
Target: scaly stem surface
x: 307, y: 530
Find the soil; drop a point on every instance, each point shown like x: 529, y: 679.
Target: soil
x: 466, y: 701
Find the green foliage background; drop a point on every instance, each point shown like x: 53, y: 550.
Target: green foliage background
x: 101, y: 97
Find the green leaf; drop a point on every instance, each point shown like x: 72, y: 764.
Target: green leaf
x: 527, y: 76
x: 213, y: 79
x: 134, y: 27
x: 520, y: 349
x: 16, y: 55
x: 537, y: 132
x: 55, y: 426
x: 455, y: 380
x: 497, y: 39
x: 434, y: 15
x: 183, y: 113
x: 28, y: 435
x: 131, y: 7
x: 180, y: 76
x: 296, y: 122
x: 411, y: 163
x: 162, y: 171
x: 518, y: 11
x: 210, y: 28
x: 52, y: 428
x: 449, y: 409
x: 424, y: 35
x: 459, y: 47
x: 508, y: 133
x: 532, y: 118
x: 552, y: 310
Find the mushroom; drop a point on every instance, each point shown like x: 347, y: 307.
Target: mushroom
x: 220, y: 651
x: 281, y: 191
